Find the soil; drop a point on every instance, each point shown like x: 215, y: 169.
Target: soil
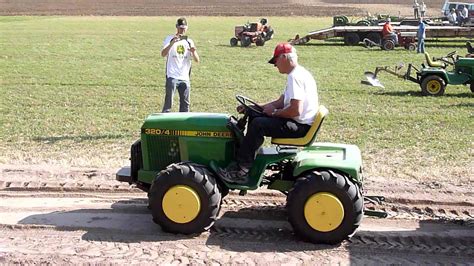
x: 85, y: 216
x: 73, y: 215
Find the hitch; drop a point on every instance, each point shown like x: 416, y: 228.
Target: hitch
x: 376, y: 200
x: 371, y: 77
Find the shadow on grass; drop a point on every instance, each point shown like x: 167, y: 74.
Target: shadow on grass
x: 54, y: 139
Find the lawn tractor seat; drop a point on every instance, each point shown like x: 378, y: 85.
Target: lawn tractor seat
x: 432, y: 63
x: 310, y: 136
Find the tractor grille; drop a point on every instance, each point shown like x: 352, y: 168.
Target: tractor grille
x: 162, y: 151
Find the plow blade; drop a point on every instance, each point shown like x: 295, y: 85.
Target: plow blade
x: 371, y: 79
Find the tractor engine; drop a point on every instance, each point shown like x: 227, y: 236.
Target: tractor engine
x: 168, y: 138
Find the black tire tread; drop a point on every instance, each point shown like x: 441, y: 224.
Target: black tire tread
x: 199, y: 178
x: 340, y: 185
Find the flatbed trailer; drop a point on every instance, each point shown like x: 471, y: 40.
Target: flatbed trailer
x: 354, y: 34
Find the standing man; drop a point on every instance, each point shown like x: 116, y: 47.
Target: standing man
x: 289, y: 116
x: 422, y: 9
x: 416, y: 8
x: 421, y: 35
x: 179, y: 51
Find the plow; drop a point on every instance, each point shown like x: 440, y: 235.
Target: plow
x: 432, y: 77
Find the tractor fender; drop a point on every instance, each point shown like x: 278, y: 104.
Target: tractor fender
x: 441, y: 73
x: 343, y: 158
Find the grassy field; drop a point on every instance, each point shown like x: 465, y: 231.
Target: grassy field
x: 75, y: 90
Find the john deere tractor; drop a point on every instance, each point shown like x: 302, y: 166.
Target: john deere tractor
x: 176, y: 158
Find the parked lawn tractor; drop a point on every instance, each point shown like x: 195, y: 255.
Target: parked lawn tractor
x: 405, y: 39
x: 176, y: 158
x: 249, y: 33
x: 433, y: 77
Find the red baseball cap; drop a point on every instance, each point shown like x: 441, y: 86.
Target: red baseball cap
x: 281, y: 48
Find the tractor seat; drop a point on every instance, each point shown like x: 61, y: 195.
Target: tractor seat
x: 432, y: 63
x: 310, y: 136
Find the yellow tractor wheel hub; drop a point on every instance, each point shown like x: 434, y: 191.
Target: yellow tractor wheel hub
x: 181, y: 204
x: 324, y: 212
x: 433, y: 86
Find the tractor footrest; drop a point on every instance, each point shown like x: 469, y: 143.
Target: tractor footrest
x: 124, y: 175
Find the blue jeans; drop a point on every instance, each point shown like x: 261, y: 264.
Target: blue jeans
x: 421, y: 46
x: 183, y: 87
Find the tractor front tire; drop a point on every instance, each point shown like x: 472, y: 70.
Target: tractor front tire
x: 433, y: 86
x: 325, y: 207
x: 260, y: 42
x: 234, y: 41
x: 185, y: 198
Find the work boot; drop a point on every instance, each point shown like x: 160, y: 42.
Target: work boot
x: 234, y: 173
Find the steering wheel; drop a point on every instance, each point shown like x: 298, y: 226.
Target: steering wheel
x: 249, y: 104
x: 452, y: 56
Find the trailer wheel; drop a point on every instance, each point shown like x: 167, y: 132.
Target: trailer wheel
x: 325, y: 207
x: 375, y: 37
x: 185, y: 198
x: 234, y: 41
x: 433, y: 86
x: 351, y: 38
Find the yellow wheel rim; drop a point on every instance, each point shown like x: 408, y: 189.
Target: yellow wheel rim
x: 323, y: 212
x: 181, y: 204
x: 433, y: 86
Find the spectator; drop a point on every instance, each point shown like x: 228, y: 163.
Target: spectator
x: 422, y: 9
x: 179, y: 52
x: 416, y: 9
x: 463, y: 15
x: 452, y: 17
x: 421, y: 35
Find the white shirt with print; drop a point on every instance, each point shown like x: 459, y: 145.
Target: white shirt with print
x: 300, y: 85
x: 178, y: 61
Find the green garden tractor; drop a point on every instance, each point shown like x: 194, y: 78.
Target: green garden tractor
x: 432, y: 77
x: 176, y: 158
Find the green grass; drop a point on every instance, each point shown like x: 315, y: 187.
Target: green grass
x: 75, y: 90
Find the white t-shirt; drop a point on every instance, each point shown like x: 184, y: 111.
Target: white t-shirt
x: 300, y: 85
x: 178, y: 61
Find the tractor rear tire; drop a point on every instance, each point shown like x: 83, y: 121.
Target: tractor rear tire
x: 234, y: 41
x: 351, y: 38
x: 185, y: 198
x: 245, y: 41
x: 325, y: 207
x: 433, y: 85
x: 388, y: 45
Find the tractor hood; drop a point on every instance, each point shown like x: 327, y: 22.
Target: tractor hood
x: 186, y: 124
